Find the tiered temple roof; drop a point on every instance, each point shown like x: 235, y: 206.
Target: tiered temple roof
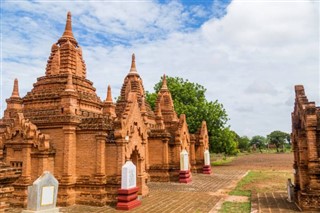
x: 65, y: 73
x: 133, y: 83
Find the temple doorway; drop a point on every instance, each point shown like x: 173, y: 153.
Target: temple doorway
x: 137, y: 161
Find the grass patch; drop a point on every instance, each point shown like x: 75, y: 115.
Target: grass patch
x: 240, y: 189
x: 262, y: 181
x: 236, y: 207
x: 256, y: 182
x: 222, y: 161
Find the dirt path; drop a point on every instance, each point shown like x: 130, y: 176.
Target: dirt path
x: 281, y: 161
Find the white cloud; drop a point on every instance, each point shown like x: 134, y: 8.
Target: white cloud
x: 267, y: 47
x: 261, y: 87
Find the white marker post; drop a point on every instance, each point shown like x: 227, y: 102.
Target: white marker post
x: 207, y: 164
x: 128, y: 194
x: 184, y: 174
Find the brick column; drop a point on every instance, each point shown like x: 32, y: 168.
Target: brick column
x: 26, y: 165
x: 20, y: 194
x: 312, y: 144
x: 43, y: 163
x: 303, y: 161
x: 100, y: 154
x: 313, y: 159
x: 69, y: 153
x: 140, y: 178
x: 192, y: 157
x: 177, y: 154
x: 296, y: 161
x: 165, y: 153
x: 66, y: 193
x: 201, y: 153
x: 121, y: 155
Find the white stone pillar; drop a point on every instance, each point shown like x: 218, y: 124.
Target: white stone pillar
x: 184, y: 174
x: 184, y: 160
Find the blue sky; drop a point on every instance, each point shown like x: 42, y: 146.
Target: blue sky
x: 248, y: 54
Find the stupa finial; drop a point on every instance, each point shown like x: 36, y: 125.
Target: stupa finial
x: 68, y: 29
x: 164, y: 82
x: 15, y: 91
x: 133, y: 64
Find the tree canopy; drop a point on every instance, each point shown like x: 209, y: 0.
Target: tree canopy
x: 189, y: 99
x: 278, y: 138
x: 243, y: 143
x: 258, y: 141
x: 225, y: 141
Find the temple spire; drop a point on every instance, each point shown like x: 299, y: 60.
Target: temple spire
x: 15, y: 91
x: 164, y: 83
x: 68, y: 29
x: 109, y: 97
x: 67, y: 34
x: 133, y: 64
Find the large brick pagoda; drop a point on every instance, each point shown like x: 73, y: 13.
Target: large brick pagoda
x: 62, y: 126
x: 306, y: 146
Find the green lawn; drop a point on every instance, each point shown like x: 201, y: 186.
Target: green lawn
x: 222, y: 161
x: 235, y: 207
x: 253, y: 182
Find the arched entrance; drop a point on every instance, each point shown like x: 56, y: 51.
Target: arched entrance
x: 135, y: 160
x: 139, y: 162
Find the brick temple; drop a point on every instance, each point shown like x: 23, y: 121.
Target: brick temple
x: 62, y: 126
x: 306, y: 146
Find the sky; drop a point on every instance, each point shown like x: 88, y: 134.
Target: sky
x: 247, y: 54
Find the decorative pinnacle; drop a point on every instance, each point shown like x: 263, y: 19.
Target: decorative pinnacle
x: 143, y: 105
x: 133, y: 64
x: 109, y: 97
x: 15, y: 91
x: 69, y: 87
x: 68, y: 29
x: 159, y: 113
x: 164, y: 83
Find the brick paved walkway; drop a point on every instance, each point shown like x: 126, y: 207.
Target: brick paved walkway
x: 201, y: 195
x: 272, y: 202
x: 206, y: 192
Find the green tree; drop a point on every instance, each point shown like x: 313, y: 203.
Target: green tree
x: 229, y: 141
x: 258, y: 141
x: 278, y: 138
x: 243, y: 143
x: 189, y: 99
x: 226, y: 142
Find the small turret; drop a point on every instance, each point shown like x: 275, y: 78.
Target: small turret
x: 14, y: 103
x: 109, y: 97
x: 164, y: 103
x: 15, y: 91
x: 108, y: 106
